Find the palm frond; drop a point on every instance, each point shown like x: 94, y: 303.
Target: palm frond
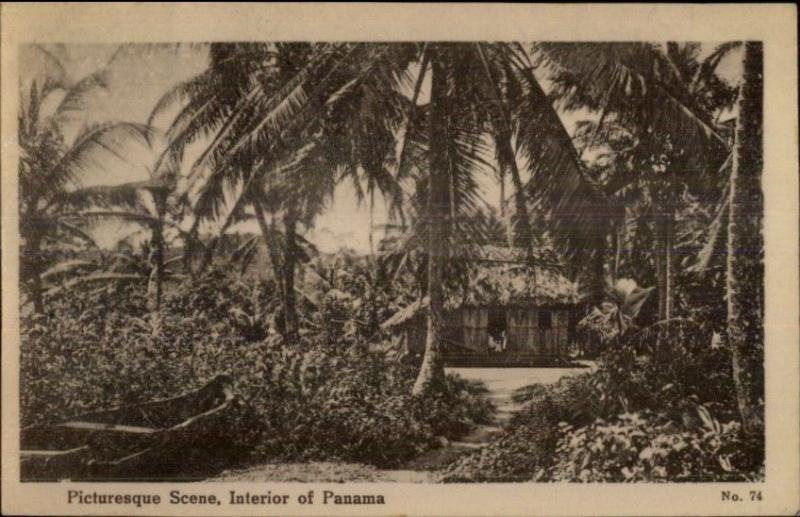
x: 715, y: 238
x: 95, y: 144
x: 637, y: 81
x: 575, y: 208
x: 92, y: 278
x: 75, y: 98
x: 67, y: 266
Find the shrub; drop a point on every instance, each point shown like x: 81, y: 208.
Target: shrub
x: 526, y: 448
x: 579, y: 430
x: 321, y: 398
x: 647, y: 447
x: 516, y: 455
x: 660, y: 367
x: 351, y: 406
x: 93, y: 351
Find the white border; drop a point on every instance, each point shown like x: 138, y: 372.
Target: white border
x: 774, y: 24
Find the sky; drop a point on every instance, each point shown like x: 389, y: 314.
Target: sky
x: 137, y: 80
x: 139, y: 76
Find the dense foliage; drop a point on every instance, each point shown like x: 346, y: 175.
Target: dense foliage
x: 331, y: 396
x: 647, y: 447
x: 657, y: 181
x: 660, y: 413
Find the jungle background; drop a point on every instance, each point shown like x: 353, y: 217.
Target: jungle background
x: 260, y: 209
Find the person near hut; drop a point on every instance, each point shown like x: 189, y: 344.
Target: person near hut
x: 502, y: 313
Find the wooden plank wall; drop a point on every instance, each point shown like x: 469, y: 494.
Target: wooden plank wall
x: 521, y: 327
x: 561, y: 326
x: 475, y: 325
x: 525, y: 335
x: 469, y: 327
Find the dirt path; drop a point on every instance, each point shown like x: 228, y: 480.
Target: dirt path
x: 501, y: 383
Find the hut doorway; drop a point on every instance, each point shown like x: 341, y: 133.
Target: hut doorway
x: 497, y: 329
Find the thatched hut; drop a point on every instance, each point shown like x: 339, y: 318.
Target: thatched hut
x: 509, y: 312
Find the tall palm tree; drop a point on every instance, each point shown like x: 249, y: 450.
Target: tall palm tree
x: 745, y: 267
x: 287, y: 178
x: 51, y: 167
x: 440, y: 124
x: 665, y: 97
x: 685, y: 93
x: 203, y: 103
x: 143, y: 203
x: 363, y: 85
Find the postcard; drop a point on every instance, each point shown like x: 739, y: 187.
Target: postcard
x: 400, y: 259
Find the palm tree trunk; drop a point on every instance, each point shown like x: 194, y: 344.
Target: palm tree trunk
x: 664, y: 231
x: 156, y: 260
x: 745, y: 268
x: 597, y: 273
x: 275, y: 261
x: 291, y: 250
x: 190, y: 245
x: 502, y: 174
x: 34, y: 267
x: 155, y: 281
x: 208, y: 254
x: 523, y: 234
x: 371, y: 219
x: 619, y: 244
x: 522, y: 223
x: 431, y: 372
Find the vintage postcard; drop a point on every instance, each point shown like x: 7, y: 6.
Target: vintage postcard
x: 400, y: 259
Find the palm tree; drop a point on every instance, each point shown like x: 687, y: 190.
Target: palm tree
x: 440, y: 124
x: 745, y: 268
x: 206, y: 102
x: 287, y: 179
x: 51, y: 167
x: 686, y: 93
x: 665, y: 98
x: 144, y: 203
x: 363, y: 84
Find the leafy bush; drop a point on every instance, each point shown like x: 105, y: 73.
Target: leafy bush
x: 526, y: 448
x: 660, y: 367
x: 93, y: 351
x: 349, y: 405
x: 579, y: 429
x: 322, y: 398
x: 647, y: 447
x: 516, y: 455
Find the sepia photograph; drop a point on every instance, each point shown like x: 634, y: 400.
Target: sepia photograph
x: 354, y: 261
x: 551, y: 268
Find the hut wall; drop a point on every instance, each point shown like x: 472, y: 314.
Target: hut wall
x: 521, y: 334
x: 561, y: 325
x: 554, y: 339
x: 415, y: 332
x: 475, y: 322
x: 526, y: 334
x: 468, y: 328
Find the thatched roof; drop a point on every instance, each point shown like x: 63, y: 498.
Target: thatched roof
x: 500, y: 278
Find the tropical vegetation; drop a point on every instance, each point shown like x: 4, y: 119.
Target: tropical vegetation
x: 654, y: 187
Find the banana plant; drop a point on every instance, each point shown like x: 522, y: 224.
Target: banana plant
x: 616, y: 315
